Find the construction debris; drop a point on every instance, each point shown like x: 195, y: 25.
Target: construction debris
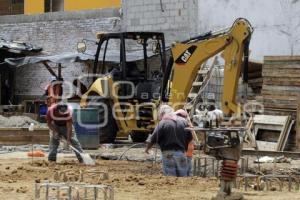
x: 268, y: 159
x: 271, y: 132
x: 17, y: 121
x: 255, y: 76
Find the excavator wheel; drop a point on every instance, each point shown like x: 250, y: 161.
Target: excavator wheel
x: 107, y: 133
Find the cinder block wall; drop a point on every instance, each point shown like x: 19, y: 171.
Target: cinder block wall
x: 56, y: 33
x: 176, y: 18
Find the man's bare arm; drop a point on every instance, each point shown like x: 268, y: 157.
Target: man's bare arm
x: 149, y: 146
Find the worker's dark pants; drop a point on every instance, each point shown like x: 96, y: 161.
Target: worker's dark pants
x: 54, y: 143
x: 174, y: 163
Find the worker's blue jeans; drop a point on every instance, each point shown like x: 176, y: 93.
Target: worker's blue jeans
x: 190, y: 166
x: 174, y: 163
x: 54, y: 143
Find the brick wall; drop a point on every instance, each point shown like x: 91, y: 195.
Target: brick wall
x: 56, y: 33
x: 176, y: 18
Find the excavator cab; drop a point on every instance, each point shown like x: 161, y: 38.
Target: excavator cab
x: 128, y: 72
x: 136, y: 57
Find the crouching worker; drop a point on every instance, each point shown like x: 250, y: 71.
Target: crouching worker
x: 173, y: 140
x: 59, y: 120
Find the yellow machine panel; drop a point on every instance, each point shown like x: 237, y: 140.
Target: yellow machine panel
x: 34, y: 6
x: 91, y: 4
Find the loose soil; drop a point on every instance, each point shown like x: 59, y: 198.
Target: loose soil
x: 131, y: 180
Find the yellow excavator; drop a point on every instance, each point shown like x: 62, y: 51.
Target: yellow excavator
x: 134, y: 77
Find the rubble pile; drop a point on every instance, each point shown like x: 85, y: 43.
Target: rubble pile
x: 17, y: 121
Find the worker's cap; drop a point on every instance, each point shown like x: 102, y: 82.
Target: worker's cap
x: 181, y: 113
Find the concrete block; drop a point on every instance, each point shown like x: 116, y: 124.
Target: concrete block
x: 151, y: 7
x: 161, y: 20
x: 147, y: 14
x: 174, y: 13
x: 164, y: 26
x: 144, y: 21
x: 135, y: 22
x: 148, y: 28
x: 178, y: 5
x: 170, y: 6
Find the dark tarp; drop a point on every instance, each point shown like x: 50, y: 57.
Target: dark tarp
x: 111, y: 56
x: 18, y: 47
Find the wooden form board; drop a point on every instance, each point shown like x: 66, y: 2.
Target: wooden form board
x: 281, y: 83
x: 281, y: 125
x: 19, y: 136
x: 270, y: 119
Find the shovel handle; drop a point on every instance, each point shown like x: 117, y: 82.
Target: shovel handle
x: 74, y: 149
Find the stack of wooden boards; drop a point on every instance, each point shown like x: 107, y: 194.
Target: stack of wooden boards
x: 255, y: 76
x: 281, y: 84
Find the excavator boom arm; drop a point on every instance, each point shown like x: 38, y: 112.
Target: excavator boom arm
x: 189, y: 57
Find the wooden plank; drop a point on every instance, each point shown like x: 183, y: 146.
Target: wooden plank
x: 266, y: 146
x: 281, y: 88
x: 276, y: 105
x: 253, y: 67
x: 270, y: 119
x: 279, y: 97
x: 288, y: 154
x: 278, y: 92
x: 287, y: 135
x: 17, y: 136
x: 256, y: 74
x: 280, y: 73
x: 298, y: 124
x: 293, y: 103
x: 256, y: 80
x: 283, y: 134
x: 276, y: 66
x: 281, y: 58
x: 282, y: 81
x: 273, y: 111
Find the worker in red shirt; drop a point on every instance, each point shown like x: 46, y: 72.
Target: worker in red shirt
x: 53, y: 91
x: 59, y: 120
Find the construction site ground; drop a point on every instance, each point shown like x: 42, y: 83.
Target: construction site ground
x: 131, y: 179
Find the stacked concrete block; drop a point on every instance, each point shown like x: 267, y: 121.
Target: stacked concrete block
x: 176, y: 18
